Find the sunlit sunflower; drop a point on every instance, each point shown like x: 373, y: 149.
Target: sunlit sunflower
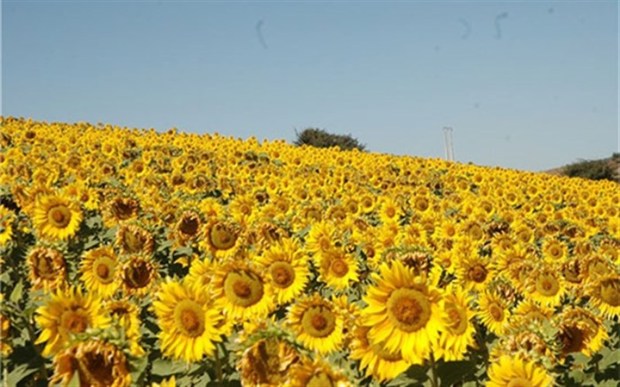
x: 316, y: 373
x: 473, y: 271
x: 138, y: 274
x: 56, y: 217
x: 513, y: 371
x: 458, y: 332
x: 67, y: 312
x: 317, y: 323
x: 403, y: 312
x: 554, y: 250
x: 546, y: 286
x: 168, y: 382
x: 220, y: 236
x: 187, y: 320
x: 5, y: 326
x: 7, y: 218
x: 127, y: 314
x: 375, y: 359
x: 493, y: 312
x: 267, y: 362
x: 604, y: 292
x: 96, y: 363
x: 241, y: 291
x: 47, y: 268
x: 200, y: 273
x: 528, y: 310
x: 98, y: 269
x: 338, y: 269
x: 133, y: 239
x: 322, y: 237
x: 580, y: 331
x: 287, y: 268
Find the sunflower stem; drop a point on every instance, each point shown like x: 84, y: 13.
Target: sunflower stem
x: 434, y: 376
x: 218, y: 366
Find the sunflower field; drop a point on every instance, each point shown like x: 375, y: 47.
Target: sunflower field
x: 134, y: 257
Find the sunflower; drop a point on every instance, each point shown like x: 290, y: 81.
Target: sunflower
x: 315, y: 374
x: 317, y: 323
x: 127, y: 314
x: 132, y: 239
x: 56, y: 217
x: 67, y: 312
x: 525, y: 342
x: 187, y: 227
x: 493, y: 312
x: 200, y: 273
x: 187, y: 321
x: 513, y: 371
x: 98, y: 269
x: 554, y: 250
x: 138, y: 275
x: 96, y: 363
x: 338, y: 269
x: 220, y: 236
x: 528, y: 311
x: 604, y: 292
x: 322, y: 237
x: 580, y: 331
x: 473, y: 271
x: 377, y: 362
x: 241, y: 291
x: 120, y: 209
x: 7, y: 218
x: 5, y: 326
x: 266, y: 362
x: 287, y: 269
x: 458, y: 332
x: 403, y: 312
x: 546, y: 286
x: 47, y: 268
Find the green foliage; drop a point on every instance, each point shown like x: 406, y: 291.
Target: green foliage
x: 592, y: 169
x: 321, y: 139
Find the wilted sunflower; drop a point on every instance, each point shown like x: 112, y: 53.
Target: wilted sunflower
x: 315, y: 374
x: 187, y: 227
x: 47, y: 268
x: 266, y: 362
x: 138, y: 274
x: 458, y: 332
x: 119, y: 209
x: 513, y: 371
x: 287, y: 269
x: 56, y: 217
x: 68, y: 311
x: 403, y: 312
x: 133, y: 239
x: 188, y: 322
x: 580, y: 331
x: 220, y: 236
x: 97, y: 363
x: 493, y: 312
x: 241, y: 291
x: 604, y: 292
x: 377, y: 362
x: 317, y: 322
x: 98, y: 269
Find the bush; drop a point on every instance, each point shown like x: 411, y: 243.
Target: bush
x: 321, y: 139
x: 591, y: 169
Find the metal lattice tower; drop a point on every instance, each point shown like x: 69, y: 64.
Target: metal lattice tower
x: 449, y: 146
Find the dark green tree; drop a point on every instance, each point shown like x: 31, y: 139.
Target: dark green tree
x: 321, y: 139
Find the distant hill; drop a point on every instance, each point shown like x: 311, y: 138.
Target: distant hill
x: 601, y: 169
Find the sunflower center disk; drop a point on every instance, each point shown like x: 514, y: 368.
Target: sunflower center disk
x: 97, y: 368
x: 282, y: 274
x: 74, y: 322
x: 496, y: 312
x: 44, y: 267
x: 456, y: 320
x: 519, y: 382
x: 339, y: 267
x: 59, y: 216
x: 409, y: 309
x: 318, y: 321
x: 242, y: 289
x: 188, y: 316
x: 138, y: 275
x: 104, y: 270
x: 547, y: 286
x: 478, y: 273
x: 222, y: 237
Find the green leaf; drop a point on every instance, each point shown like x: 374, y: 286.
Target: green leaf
x: 165, y: 367
x: 75, y: 380
x: 16, y: 294
x: 451, y: 372
x: 18, y: 374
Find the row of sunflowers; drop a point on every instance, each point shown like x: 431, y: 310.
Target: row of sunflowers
x: 133, y: 257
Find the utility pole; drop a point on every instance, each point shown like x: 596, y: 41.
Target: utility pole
x: 447, y: 135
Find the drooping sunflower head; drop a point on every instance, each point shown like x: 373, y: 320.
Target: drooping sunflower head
x: 127, y: 314
x: 56, y: 217
x: 133, y: 239
x: 316, y: 373
x: 138, y: 274
x: 220, y: 236
x: 68, y: 311
x: 97, y: 363
x: 580, y: 331
x: 47, y: 268
x: 188, y: 225
x: 99, y: 267
x: 241, y: 290
x: 377, y: 361
x: 267, y: 362
x: 513, y: 371
x: 317, y: 322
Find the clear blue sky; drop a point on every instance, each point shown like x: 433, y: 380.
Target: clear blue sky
x: 526, y: 85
